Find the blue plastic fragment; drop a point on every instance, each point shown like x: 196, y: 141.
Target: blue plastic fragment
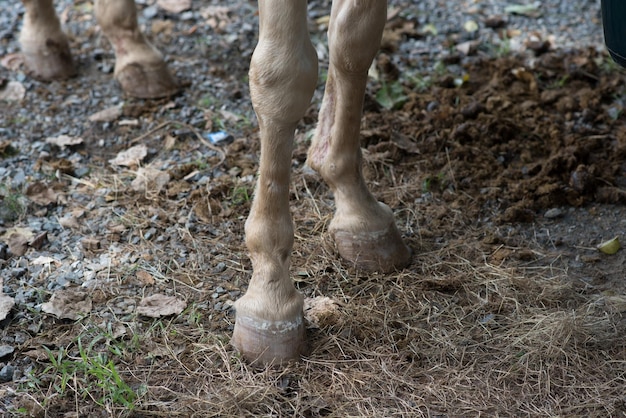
x: 219, y: 137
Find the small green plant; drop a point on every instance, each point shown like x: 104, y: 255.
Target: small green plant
x: 391, y: 95
x: 206, y: 102
x: 240, y: 195
x: 90, y: 374
x: 560, y: 83
x: 421, y: 83
x: 11, y: 206
x: 432, y: 183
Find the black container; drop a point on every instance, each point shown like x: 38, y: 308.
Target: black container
x: 614, y: 21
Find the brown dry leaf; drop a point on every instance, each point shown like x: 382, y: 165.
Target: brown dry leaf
x: 107, y: 115
x: 322, y: 311
x: 68, y: 304
x: 174, y: 6
x: 63, y: 141
x: 18, y: 243
x: 12, y: 61
x: 159, y: 305
x: 144, y: 277
x: 164, y: 27
x: 6, y: 304
x: 169, y: 142
x: 39, y: 240
x: 38, y: 354
x: 13, y: 91
x: 69, y: 221
x: 90, y: 243
x: 41, y: 194
x: 404, y: 143
x: 17, y: 239
x: 61, y: 165
x: 150, y: 180
x: 131, y: 157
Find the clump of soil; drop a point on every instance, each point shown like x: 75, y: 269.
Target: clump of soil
x: 520, y: 135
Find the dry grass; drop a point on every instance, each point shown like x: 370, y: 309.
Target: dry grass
x: 449, y: 336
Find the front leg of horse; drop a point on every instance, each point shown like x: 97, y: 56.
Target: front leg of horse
x: 269, y: 324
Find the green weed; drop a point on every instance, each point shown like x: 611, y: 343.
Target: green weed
x: 11, y: 204
x: 391, y: 95
x: 88, y: 374
x: 240, y: 195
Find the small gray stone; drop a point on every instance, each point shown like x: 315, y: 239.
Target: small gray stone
x: 6, y: 374
x: 220, y: 267
x: 553, y: 213
x: 5, y: 350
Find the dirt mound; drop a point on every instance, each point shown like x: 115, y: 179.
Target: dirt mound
x: 519, y: 135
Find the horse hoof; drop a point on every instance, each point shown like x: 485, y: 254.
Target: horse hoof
x: 377, y: 249
x: 52, y: 62
x: 147, y: 81
x: 264, y: 343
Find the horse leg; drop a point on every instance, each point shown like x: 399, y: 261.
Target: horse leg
x: 363, y: 229
x: 44, y: 46
x: 269, y: 326
x: 139, y: 66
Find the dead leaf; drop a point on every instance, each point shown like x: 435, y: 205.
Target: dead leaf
x: 13, y: 91
x: 12, y: 61
x: 18, y: 243
x: 38, y: 354
x: 163, y: 27
x: 91, y: 244
x: 41, y: 194
x: 41, y: 260
x: 131, y: 157
x: 169, y: 142
x: 150, y: 180
x: 159, y: 305
x: 63, y: 141
x: 6, y: 304
x: 404, y: 143
x: 528, y: 10
x: 68, y: 304
x: 144, y: 277
x: 107, y: 115
x: 39, y: 240
x: 17, y: 239
x: 69, y: 221
x: 174, y: 6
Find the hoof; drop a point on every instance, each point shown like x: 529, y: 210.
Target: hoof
x: 147, y: 81
x: 264, y: 343
x: 380, y: 249
x: 51, y: 62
